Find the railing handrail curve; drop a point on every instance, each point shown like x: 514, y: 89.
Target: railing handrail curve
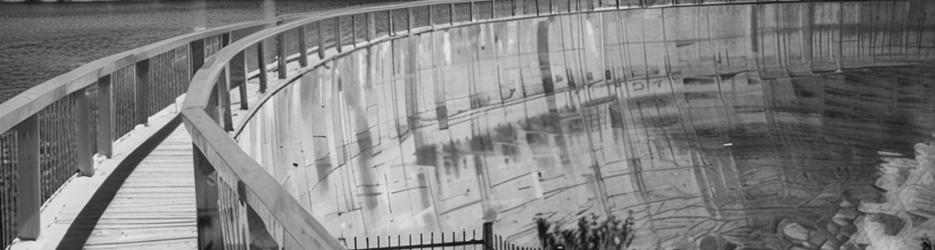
x: 197, y: 96
x: 221, y: 149
x: 218, y: 147
x: 34, y: 99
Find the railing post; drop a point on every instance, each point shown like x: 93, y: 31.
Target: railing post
x: 224, y: 100
x: 337, y: 34
x: 142, y: 92
x: 105, y: 118
x: 321, y: 41
x: 281, y: 55
x: 197, y: 49
x: 488, y: 235
x: 238, y: 77
x: 30, y: 196
x: 206, y: 201
x: 225, y: 39
x: 391, y: 31
x: 261, y: 63
x: 303, y: 47
x: 85, y: 163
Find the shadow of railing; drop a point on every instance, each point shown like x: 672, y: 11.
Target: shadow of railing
x: 53, y: 130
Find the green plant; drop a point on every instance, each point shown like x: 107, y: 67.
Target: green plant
x: 591, y: 233
x: 927, y: 243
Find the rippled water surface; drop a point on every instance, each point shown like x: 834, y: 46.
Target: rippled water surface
x: 41, y: 41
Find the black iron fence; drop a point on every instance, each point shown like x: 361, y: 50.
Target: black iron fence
x: 487, y: 240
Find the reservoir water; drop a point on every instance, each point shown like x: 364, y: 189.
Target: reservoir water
x: 41, y: 41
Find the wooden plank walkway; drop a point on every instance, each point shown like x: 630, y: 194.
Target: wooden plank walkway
x: 155, y: 207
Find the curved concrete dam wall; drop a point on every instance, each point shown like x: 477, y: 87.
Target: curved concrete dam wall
x: 716, y: 124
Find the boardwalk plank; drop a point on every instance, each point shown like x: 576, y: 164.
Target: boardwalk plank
x: 155, y: 207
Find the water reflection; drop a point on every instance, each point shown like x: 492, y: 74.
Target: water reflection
x: 705, y: 129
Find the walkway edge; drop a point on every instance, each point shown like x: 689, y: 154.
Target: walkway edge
x: 84, y: 222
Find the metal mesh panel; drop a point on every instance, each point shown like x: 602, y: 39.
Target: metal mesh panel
x: 381, y: 23
x: 530, y: 7
x: 311, y: 38
x: 8, y: 190
x: 545, y: 6
x: 292, y: 42
x: 328, y: 32
x: 124, y: 89
x: 421, y: 17
x: 483, y: 10
x: 213, y: 45
x: 57, y: 144
x: 164, y: 73
x: 233, y: 216
x: 608, y: 3
x: 441, y: 14
x: 585, y: 4
x: 346, y: 26
x: 400, y: 19
x: 360, y: 28
x: 503, y: 8
x: 562, y: 6
x: 462, y: 12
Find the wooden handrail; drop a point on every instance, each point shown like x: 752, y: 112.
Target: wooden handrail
x: 31, y: 101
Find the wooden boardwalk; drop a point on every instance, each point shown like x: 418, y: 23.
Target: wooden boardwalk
x: 155, y: 207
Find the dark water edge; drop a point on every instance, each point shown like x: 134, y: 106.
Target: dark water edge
x: 41, y: 41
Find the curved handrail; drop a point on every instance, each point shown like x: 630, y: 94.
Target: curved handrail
x: 27, y: 103
x: 68, y: 125
x: 255, y: 185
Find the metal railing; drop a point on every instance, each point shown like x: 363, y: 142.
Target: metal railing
x: 486, y: 240
x: 237, y: 194
x: 52, y: 130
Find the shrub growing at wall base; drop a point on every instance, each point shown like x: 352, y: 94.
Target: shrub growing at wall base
x: 591, y: 233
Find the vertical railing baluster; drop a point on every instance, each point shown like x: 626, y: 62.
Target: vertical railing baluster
x: 281, y: 55
x: 238, y: 77
x: 105, y: 119
x: 85, y: 163
x: 337, y: 34
x: 29, y: 198
x: 142, y: 92
x: 303, y: 47
x: 261, y: 63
